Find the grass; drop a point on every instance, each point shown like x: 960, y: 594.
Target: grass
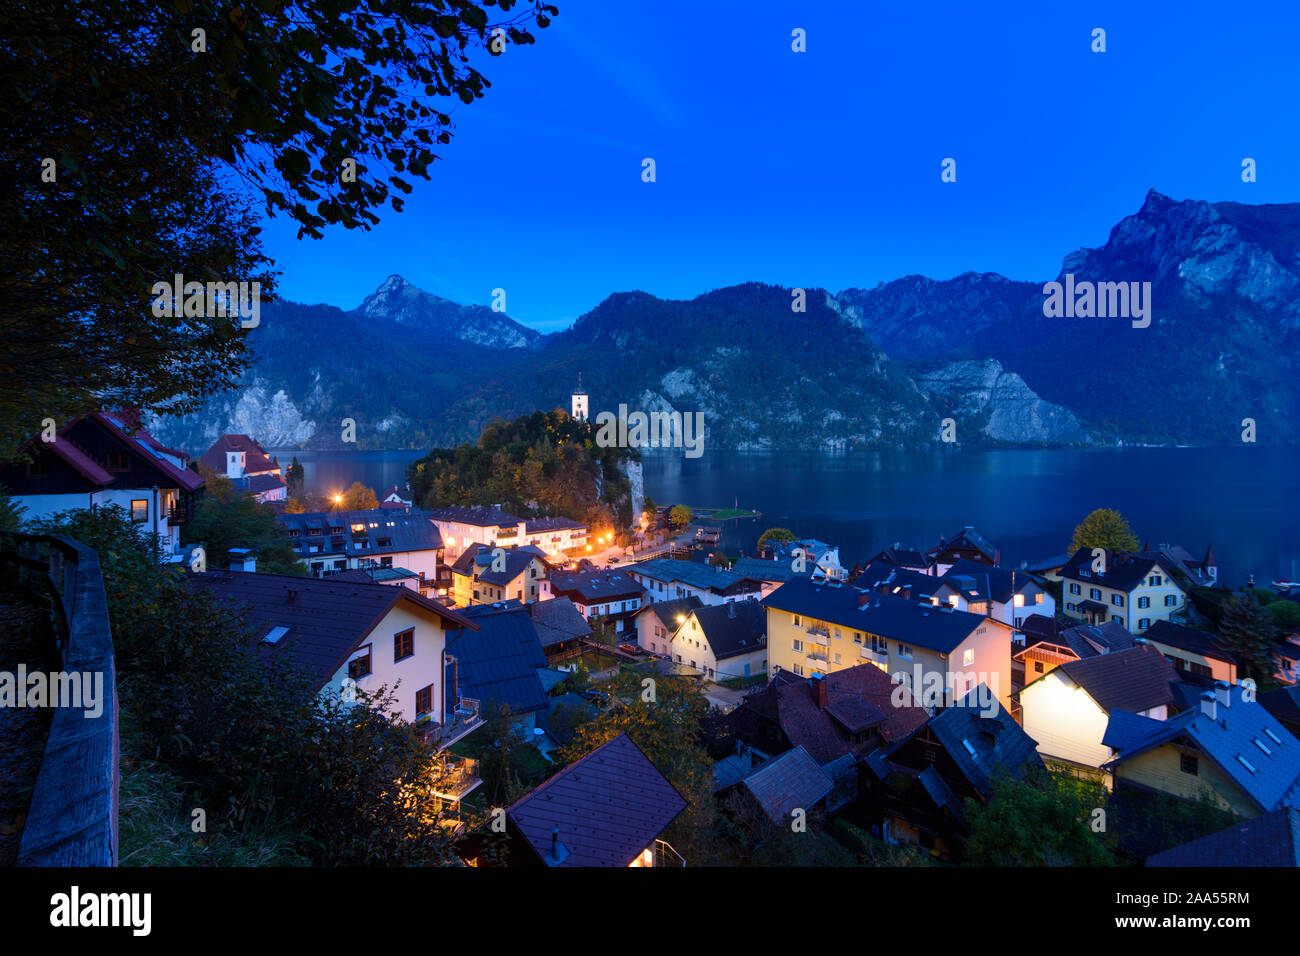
x: 740, y: 683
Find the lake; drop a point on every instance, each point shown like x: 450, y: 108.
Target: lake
x: 1244, y: 500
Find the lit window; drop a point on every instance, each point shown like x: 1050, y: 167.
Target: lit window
x: 139, y: 509
x: 1020, y: 600
x: 968, y: 657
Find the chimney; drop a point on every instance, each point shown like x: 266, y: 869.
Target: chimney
x: 864, y: 599
x: 819, y: 691
x: 1210, y: 705
x: 905, y: 593
x: 555, y: 843
x: 290, y: 596
x: 243, y: 559
x: 1223, y: 693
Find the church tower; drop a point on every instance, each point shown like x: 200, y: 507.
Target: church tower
x: 579, y: 406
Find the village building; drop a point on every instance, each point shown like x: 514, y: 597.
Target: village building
x: 484, y: 575
x: 1135, y: 590
x: 328, y: 542
x: 246, y: 465
x: 666, y: 579
x: 723, y: 641
x: 612, y: 597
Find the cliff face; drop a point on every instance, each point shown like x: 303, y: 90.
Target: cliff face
x: 985, y: 398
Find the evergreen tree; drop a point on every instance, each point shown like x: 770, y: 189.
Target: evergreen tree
x: 1247, y: 632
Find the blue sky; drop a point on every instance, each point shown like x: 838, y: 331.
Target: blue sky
x: 821, y: 168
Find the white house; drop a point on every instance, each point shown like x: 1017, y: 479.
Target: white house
x: 665, y: 579
x: 243, y: 461
x: 723, y: 641
x: 1005, y: 595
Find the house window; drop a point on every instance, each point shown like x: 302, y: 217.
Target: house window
x: 798, y: 621
x: 1187, y: 764
x: 403, y: 644
x: 1038, y: 667
x: 798, y: 646
x: 904, y: 652
x: 968, y: 656
x: 798, y: 670
x: 359, y: 667
x: 1069, y: 606
x: 1038, y: 597
x: 1094, y: 593
x: 1144, y: 602
x: 857, y: 637
x: 1117, y: 619
x: 1156, y: 580
x: 1074, y: 589
x: 1171, y: 600
x: 1117, y: 600
x: 1019, y: 600
x: 139, y: 509
x: 837, y: 659
x: 1144, y: 623
x: 424, y: 700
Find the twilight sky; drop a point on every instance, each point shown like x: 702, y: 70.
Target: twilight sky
x: 821, y: 168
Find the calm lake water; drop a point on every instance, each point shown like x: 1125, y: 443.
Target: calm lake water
x: 1244, y: 500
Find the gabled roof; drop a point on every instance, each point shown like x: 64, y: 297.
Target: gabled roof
x: 1125, y: 730
x: 1269, y: 840
x: 480, y: 516
x: 1089, y: 640
x: 690, y: 573
x: 757, y: 569
x: 595, y: 587
x: 1283, y: 703
x: 789, y: 782
x: 981, y: 582
x: 921, y: 624
x: 734, y: 628
x: 1241, y: 733
x: 326, y: 619
x: 982, y: 746
x: 257, y: 484
x: 1124, y: 570
x: 608, y: 807
x: 902, y: 557
x: 477, y: 561
x: 557, y: 621
x: 542, y: 525
x: 255, y: 458
x: 1188, y: 639
x: 891, y: 579
x: 497, y: 664
x: 393, y: 532
x: 125, y: 425
x: 1136, y: 679
x: 967, y: 537
x: 669, y: 611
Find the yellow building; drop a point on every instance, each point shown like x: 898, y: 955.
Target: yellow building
x: 1130, y: 589
x: 938, y: 652
x: 484, y: 575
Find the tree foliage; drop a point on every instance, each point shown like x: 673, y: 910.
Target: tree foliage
x: 775, y: 534
x: 679, y: 516
x: 227, y: 517
x: 359, y: 498
x: 1247, y: 632
x: 1104, y: 528
x: 1042, y: 820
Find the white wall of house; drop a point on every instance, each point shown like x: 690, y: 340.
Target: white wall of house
x: 156, y: 508
x: 457, y: 536
x: 690, y: 649
x: 405, y: 677
x: 652, y: 633
x: 659, y: 591
x: 1067, y: 722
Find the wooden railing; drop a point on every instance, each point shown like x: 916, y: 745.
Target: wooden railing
x: 72, y: 817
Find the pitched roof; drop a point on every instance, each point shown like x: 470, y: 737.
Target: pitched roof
x: 1269, y: 840
x: 480, y: 516
x: 694, y: 574
x: 981, y: 746
x: 734, y: 628
x: 980, y: 582
x: 1124, y: 570
x: 757, y: 569
x: 902, y: 557
x: 789, y: 782
x: 1089, y: 640
x: 255, y: 458
x: 326, y: 619
x: 125, y: 425
x: 541, y: 525
x: 608, y: 807
x: 1136, y: 679
x: 1283, y: 703
x: 384, y: 531
x: 890, y: 579
x: 1188, y: 639
x: 937, y: 628
x: 1245, y: 742
x: 477, y: 561
x: 497, y: 664
x: 557, y: 621
x: 594, y: 587
x: 967, y: 537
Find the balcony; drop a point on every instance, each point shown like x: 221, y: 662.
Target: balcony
x: 876, y: 657
x: 818, y: 657
x: 178, y: 515
x: 819, y: 635
x: 461, y: 722
x: 458, y: 779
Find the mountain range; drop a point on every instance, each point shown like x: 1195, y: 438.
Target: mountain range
x: 862, y: 368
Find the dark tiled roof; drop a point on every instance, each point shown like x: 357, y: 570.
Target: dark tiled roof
x: 998, y: 743
x: 756, y: 569
x: 480, y: 516
x: 557, y: 621
x: 542, y: 525
x: 988, y: 583
x: 1236, y: 732
x: 1125, y: 730
x: 878, y: 575
x: 498, y: 662
x: 734, y: 628
x: 1136, y: 679
x: 595, y: 587
x: 255, y: 458
x: 608, y: 807
x: 327, y: 618
x: 395, y: 532
x: 921, y: 624
x: 1124, y: 571
x: 1039, y: 627
x: 902, y: 557
x: 1269, y: 840
x: 256, y: 484
x: 1187, y: 639
x: 691, y: 573
x: 792, y: 781
x: 968, y: 537
x: 1283, y: 703
x: 476, y: 561
x: 1089, y: 640
x: 125, y: 425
